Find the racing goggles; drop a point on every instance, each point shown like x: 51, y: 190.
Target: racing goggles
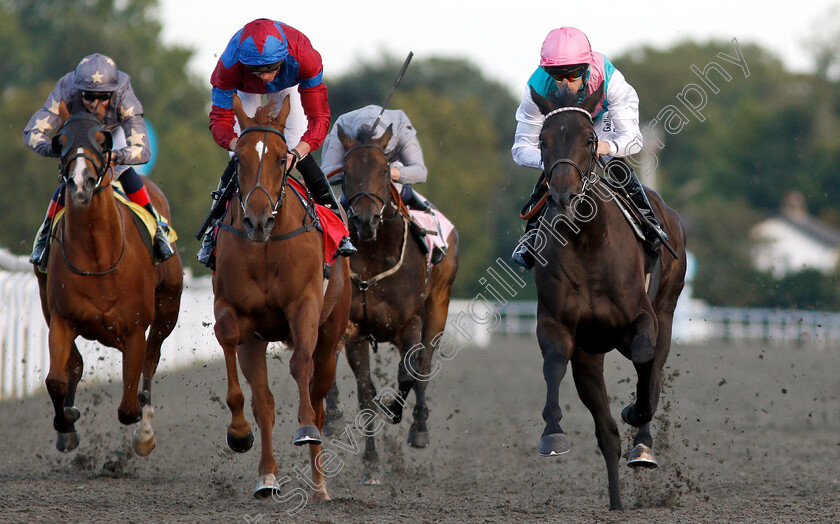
x: 93, y: 96
x: 263, y: 68
x: 572, y: 73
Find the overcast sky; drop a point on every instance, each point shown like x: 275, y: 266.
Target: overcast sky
x: 501, y: 37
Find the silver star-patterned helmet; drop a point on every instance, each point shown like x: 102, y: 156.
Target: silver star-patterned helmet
x: 97, y: 72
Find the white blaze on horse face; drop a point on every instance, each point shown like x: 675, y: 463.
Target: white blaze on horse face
x: 79, y: 167
x: 259, y: 147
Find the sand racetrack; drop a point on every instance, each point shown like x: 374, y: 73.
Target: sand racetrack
x: 745, y: 433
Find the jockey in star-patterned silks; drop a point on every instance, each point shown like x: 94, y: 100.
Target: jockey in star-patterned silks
x: 271, y: 58
x: 97, y: 86
x: 568, y: 62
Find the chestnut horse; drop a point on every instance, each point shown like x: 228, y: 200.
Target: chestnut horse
x: 396, y: 298
x: 591, y: 288
x: 101, y: 284
x: 269, y: 285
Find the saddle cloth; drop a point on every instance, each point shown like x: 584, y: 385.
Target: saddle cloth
x: 330, y: 225
x: 438, y: 227
x: 146, y: 223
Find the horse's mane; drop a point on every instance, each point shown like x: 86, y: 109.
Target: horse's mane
x: 563, y: 98
x: 365, y: 134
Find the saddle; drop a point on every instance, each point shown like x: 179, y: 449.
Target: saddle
x: 434, y: 249
x: 145, y: 222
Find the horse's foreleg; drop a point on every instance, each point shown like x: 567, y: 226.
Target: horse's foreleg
x: 409, y: 339
x: 61, y: 338
x: 75, y: 368
x: 134, y: 353
x: 252, y: 361
x: 642, y: 353
x: 167, y: 305
x: 302, y: 367
x: 557, y: 346
x: 239, y: 435
x: 323, y: 379
x: 358, y: 356
x: 642, y: 454
x: 588, y: 372
x: 333, y: 417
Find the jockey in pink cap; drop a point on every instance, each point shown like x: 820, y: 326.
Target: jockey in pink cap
x: 568, y: 62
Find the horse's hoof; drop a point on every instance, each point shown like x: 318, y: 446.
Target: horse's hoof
x: 307, y: 435
x: 369, y: 478
x: 554, y: 444
x: 71, y: 414
x: 418, y: 439
x: 266, y: 484
x: 144, y: 448
x: 67, y: 441
x: 321, y: 495
x: 144, y: 434
x: 240, y: 444
x: 642, y: 457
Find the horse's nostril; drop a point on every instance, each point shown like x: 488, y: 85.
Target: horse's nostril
x: 248, y: 224
x: 269, y: 224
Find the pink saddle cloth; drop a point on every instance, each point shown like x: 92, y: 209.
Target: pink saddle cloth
x: 439, y: 227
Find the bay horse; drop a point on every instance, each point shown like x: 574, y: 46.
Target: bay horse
x: 269, y: 285
x: 101, y: 284
x: 591, y: 288
x: 396, y: 297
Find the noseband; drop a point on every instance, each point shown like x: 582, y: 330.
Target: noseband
x: 592, y: 154
x: 275, y: 205
x: 372, y: 196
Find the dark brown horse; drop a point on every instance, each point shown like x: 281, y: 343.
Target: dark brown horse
x: 591, y: 288
x: 396, y: 298
x: 101, y: 284
x: 269, y: 285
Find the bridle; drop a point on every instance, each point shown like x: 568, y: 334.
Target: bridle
x: 275, y: 205
x: 586, y: 181
x: 101, y: 163
x: 378, y: 200
x: 310, y: 214
x: 80, y: 147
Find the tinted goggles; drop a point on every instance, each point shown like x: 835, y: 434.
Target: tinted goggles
x: 571, y: 73
x: 93, y: 96
x: 263, y: 68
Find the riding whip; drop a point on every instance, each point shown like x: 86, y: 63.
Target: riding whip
x: 388, y: 99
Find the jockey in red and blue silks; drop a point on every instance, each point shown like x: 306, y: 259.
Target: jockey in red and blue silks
x: 568, y: 62
x: 271, y: 58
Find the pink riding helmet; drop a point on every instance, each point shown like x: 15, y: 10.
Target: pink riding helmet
x: 565, y: 46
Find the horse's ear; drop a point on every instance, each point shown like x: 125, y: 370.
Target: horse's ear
x: 542, y: 102
x: 383, y: 140
x: 592, y: 100
x: 285, y: 109
x: 241, y: 117
x: 344, y: 138
x: 63, y: 112
x: 56, y: 145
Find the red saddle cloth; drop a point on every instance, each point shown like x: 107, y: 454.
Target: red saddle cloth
x: 332, y: 227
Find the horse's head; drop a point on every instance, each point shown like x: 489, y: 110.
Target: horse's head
x: 367, y: 181
x: 261, y: 172
x: 567, y: 141
x: 83, y: 147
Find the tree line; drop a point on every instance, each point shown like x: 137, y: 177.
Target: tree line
x: 734, y: 156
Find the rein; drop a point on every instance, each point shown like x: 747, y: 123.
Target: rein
x: 84, y: 273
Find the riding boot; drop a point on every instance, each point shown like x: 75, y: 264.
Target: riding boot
x: 220, y: 197
x: 412, y: 201
x: 40, y: 247
x: 161, y: 248
x: 523, y: 254
x: 320, y: 190
x: 626, y: 176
